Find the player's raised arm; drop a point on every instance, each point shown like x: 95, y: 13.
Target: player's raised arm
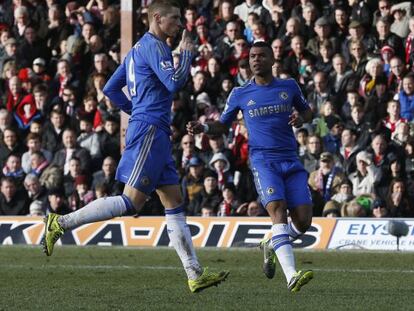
x: 161, y: 63
x: 113, y: 89
x: 211, y: 128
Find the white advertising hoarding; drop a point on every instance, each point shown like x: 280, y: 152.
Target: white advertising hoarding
x: 371, y: 234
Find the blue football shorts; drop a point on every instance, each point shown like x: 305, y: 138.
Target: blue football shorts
x: 147, y: 162
x: 281, y: 180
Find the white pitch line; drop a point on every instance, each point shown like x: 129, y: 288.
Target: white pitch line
x: 126, y: 267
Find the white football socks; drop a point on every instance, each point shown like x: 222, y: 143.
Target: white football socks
x: 180, y: 237
x: 283, y: 249
x: 98, y: 210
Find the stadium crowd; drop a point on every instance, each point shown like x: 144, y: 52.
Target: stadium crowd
x: 353, y: 59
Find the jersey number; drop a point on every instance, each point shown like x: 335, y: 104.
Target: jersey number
x: 131, y: 78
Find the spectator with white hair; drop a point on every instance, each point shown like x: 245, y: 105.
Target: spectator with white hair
x: 21, y: 21
x: 367, y: 175
x: 35, y: 190
x: 373, y: 69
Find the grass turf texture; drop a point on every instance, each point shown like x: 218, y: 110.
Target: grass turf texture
x: 99, y: 278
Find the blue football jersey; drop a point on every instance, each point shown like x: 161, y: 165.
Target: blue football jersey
x: 151, y: 79
x: 266, y: 110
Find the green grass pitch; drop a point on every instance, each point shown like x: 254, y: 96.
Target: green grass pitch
x: 114, y: 278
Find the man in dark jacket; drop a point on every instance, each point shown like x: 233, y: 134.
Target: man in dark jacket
x: 12, y: 201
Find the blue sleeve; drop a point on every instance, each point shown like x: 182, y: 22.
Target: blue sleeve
x: 299, y: 101
x: 161, y: 62
x: 231, y: 109
x: 113, y: 89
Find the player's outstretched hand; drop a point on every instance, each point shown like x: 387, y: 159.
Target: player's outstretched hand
x: 295, y: 119
x: 194, y: 127
x: 186, y: 42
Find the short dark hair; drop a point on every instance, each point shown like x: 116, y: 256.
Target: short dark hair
x: 263, y: 44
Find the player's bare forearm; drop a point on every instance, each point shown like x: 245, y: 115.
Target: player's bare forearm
x: 210, y: 128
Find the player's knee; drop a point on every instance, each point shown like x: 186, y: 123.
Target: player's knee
x: 304, y: 225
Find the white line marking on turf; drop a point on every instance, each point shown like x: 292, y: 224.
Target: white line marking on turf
x: 126, y: 267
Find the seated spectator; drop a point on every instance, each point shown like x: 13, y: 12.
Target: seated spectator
x: 210, y: 191
x: 321, y: 93
x: 326, y: 111
x: 376, y: 104
x: 373, y: 69
x: 38, y: 163
x: 35, y: 190
x: 340, y: 76
x: 13, y: 168
x: 64, y: 77
x: 13, y: 201
x: 56, y: 202
x: 394, y: 117
x: 16, y: 95
x: 90, y: 110
x: 360, y: 125
x: 406, y: 97
x: 401, y: 134
x: 69, y: 178
x: 324, y: 59
x: 379, y: 209
x: 70, y: 149
x: 10, y: 144
x: 221, y: 165
x: 314, y: 148
x: 109, y: 138
x: 301, y: 138
x: 352, y: 99
x: 34, y: 144
x: 217, y: 144
x: 192, y: 182
x: 344, y: 194
x: 332, y: 140
x: 357, y: 50
x: 39, y: 71
x: 398, y: 202
x: 255, y: 209
x: 82, y: 194
x: 324, y: 182
x: 207, y: 210
x: 101, y: 191
x: 53, y: 130
x: 36, y: 209
x: 353, y: 209
x: 230, y: 206
x: 397, y: 73
x: 348, y: 150
x: 402, y: 13
x: 106, y: 177
x: 5, y: 121
x: 89, y: 140
x: 185, y: 153
x: 367, y: 175
x: 332, y: 209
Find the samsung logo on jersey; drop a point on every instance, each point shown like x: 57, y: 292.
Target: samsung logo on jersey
x: 268, y: 110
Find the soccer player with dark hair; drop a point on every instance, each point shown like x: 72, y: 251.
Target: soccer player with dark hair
x: 270, y: 107
x: 146, y: 164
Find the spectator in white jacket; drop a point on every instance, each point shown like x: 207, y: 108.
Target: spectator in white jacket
x: 366, y: 176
